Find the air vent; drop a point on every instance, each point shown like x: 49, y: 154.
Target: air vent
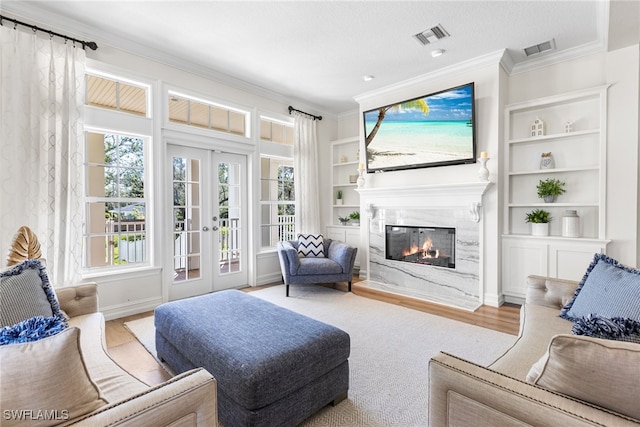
x: 431, y: 35
x: 539, y: 48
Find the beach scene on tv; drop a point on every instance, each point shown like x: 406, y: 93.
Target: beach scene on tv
x: 421, y: 132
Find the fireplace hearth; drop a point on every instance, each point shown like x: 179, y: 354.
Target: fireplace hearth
x: 421, y: 245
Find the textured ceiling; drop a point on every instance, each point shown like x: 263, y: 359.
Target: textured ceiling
x: 319, y: 51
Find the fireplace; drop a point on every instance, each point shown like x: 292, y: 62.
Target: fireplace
x: 421, y: 245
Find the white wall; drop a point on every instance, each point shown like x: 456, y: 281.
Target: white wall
x: 620, y: 69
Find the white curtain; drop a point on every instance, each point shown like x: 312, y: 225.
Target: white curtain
x: 305, y: 171
x: 42, y: 97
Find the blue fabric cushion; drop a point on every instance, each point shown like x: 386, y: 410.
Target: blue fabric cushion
x: 30, y: 309
x: 311, y: 245
x: 606, y: 303
x: 616, y: 328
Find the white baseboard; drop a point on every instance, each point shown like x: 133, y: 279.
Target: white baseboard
x: 129, y: 309
x: 493, y: 300
x: 267, y: 279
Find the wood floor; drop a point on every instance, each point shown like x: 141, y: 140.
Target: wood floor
x: 132, y: 356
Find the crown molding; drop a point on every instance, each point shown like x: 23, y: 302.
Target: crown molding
x: 492, y: 58
x: 557, y: 57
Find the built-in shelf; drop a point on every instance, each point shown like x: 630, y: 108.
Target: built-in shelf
x: 554, y: 136
x: 555, y: 170
x: 579, y: 156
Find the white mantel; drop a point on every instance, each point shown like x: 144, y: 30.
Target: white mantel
x: 426, y: 196
x: 456, y: 205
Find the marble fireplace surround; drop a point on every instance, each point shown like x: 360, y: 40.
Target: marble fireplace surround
x: 457, y: 205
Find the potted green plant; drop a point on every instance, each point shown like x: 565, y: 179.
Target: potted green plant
x: 344, y: 220
x: 550, y: 188
x: 355, y: 217
x: 339, y: 197
x: 539, y: 219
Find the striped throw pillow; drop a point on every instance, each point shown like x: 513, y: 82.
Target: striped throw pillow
x: 606, y: 303
x: 311, y: 245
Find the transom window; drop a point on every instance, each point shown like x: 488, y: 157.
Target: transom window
x: 276, y: 131
x: 193, y: 112
x: 114, y: 94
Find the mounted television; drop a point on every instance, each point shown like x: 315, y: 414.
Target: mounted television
x: 433, y: 130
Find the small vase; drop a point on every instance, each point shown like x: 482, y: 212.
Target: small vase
x: 483, y: 172
x: 338, y: 202
x: 539, y: 228
x: 546, y: 161
x: 549, y: 199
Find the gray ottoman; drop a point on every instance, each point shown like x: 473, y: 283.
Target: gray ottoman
x: 274, y: 367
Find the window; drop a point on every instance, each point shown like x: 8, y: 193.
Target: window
x: 276, y: 131
x: 277, y: 201
x: 192, y: 112
x: 115, y: 94
x: 115, y: 203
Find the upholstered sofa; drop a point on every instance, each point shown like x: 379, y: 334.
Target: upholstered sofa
x: 335, y: 264
x: 69, y: 379
x: 549, y: 377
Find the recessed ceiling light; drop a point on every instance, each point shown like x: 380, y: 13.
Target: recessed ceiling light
x: 368, y: 78
x: 437, y: 52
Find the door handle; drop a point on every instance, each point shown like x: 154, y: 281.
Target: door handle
x: 214, y: 228
x: 205, y: 228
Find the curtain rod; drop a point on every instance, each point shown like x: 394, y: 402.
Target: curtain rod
x: 308, y: 114
x: 91, y: 45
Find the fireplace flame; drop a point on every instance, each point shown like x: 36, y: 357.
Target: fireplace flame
x: 426, y: 251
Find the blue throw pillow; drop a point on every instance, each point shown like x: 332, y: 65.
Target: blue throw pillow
x: 616, y: 328
x: 30, y: 309
x: 606, y: 303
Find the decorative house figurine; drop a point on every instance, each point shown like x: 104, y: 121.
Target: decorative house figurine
x: 546, y: 161
x: 537, y: 127
x: 568, y: 126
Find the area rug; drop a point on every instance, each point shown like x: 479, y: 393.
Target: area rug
x: 390, y: 351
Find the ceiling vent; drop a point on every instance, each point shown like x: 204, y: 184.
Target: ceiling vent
x: 539, y: 48
x: 431, y: 35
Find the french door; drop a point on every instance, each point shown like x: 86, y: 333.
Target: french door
x: 208, y: 227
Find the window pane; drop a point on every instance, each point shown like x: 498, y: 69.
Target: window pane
x: 219, y: 119
x: 236, y: 123
x: 133, y: 99
x: 199, y: 114
x: 178, y: 110
x: 277, y: 133
x: 288, y: 135
x: 131, y: 152
x: 265, y: 130
x: 101, y: 92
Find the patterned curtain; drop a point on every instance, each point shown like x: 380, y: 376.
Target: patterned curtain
x: 41, y: 131
x: 305, y: 170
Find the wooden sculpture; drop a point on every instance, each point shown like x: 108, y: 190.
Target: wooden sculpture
x: 25, y: 246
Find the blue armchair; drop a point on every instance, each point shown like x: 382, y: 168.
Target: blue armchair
x: 336, y: 266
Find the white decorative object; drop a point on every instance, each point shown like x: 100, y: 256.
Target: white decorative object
x: 483, y: 173
x: 537, y: 127
x: 539, y: 228
x: 474, y: 210
x: 546, y: 161
x: 370, y: 209
x: 344, y: 159
x: 360, y: 178
x: 568, y: 127
x: 570, y: 224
